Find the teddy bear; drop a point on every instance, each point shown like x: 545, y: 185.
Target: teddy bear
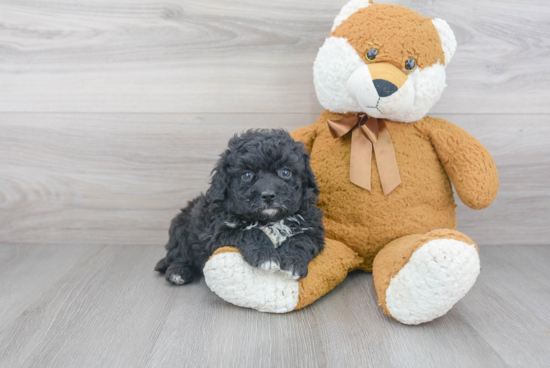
x: 384, y: 169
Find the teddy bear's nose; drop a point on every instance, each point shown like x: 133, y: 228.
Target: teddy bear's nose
x: 384, y: 88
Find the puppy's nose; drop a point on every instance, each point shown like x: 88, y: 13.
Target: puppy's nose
x: 268, y: 196
x: 384, y: 88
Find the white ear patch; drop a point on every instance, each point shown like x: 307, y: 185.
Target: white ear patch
x: 351, y: 7
x: 448, y: 40
x: 335, y: 63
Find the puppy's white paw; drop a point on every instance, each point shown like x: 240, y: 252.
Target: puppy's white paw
x: 291, y: 275
x: 270, y: 266
x: 177, y: 279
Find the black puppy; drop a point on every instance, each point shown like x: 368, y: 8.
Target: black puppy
x: 261, y: 201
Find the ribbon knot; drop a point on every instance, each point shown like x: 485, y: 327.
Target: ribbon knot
x: 368, y: 133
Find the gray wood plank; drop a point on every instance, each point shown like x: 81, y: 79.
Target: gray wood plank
x: 103, y: 312
x: 109, y: 178
x: 357, y: 334
x: 230, y: 336
x: 120, y: 178
x: 514, y: 283
x: 246, y: 56
x: 110, y: 309
x: 24, y: 265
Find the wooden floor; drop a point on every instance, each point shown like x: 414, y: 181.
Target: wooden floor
x: 103, y: 306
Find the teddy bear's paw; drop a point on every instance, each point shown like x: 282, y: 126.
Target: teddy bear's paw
x: 436, y: 276
x: 229, y: 276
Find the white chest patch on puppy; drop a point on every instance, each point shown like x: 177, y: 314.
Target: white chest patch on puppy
x: 278, y: 231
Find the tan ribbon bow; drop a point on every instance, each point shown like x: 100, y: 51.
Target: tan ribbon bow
x: 368, y: 133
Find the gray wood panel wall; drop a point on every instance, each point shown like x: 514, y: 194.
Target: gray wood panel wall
x: 112, y: 113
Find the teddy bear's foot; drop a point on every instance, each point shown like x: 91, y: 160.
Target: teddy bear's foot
x: 229, y: 276
x: 420, y: 277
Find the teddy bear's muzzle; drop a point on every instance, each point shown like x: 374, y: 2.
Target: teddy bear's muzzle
x: 381, y: 88
x: 387, y: 78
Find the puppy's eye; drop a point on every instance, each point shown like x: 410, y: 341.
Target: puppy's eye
x: 410, y: 65
x: 371, y: 54
x: 285, y: 173
x: 247, y: 176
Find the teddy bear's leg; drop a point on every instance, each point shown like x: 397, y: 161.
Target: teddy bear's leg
x: 420, y: 277
x: 228, y: 275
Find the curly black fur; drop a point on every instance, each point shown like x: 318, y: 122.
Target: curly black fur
x: 262, y: 179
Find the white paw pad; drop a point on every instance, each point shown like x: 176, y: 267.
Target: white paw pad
x: 270, y: 266
x: 176, y: 279
x: 232, y: 279
x: 291, y: 274
x: 437, y: 276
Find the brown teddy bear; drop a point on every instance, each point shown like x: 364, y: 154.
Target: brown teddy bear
x: 384, y: 170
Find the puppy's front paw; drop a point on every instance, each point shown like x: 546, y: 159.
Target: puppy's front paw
x: 270, y: 266
x: 294, y: 268
x: 265, y: 259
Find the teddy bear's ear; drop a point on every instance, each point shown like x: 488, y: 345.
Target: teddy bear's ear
x: 448, y: 40
x: 351, y: 7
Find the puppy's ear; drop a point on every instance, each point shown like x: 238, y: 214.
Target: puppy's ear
x: 219, y: 185
x: 310, y: 183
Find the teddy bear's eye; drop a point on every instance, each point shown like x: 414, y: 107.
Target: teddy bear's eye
x: 247, y: 176
x: 371, y: 54
x: 285, y: 173
x: 410, y: 65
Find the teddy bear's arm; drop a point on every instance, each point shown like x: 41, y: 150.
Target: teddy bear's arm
x: 306, y: 135
x: 467, y: 162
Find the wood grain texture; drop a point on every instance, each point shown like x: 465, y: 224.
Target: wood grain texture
x: 108, y: 308
x: 27, y: 266
x: 109, y: 178
x: 120, y: 178
x: 246, y: 56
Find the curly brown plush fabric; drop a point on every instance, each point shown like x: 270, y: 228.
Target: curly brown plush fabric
x: 427, y: 156
x: 394, y: 44
x: 468, y: 164
x: 326, y: 271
